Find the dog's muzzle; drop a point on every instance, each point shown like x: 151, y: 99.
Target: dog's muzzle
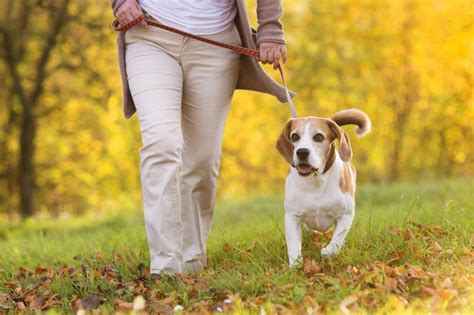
x: 305, y: 169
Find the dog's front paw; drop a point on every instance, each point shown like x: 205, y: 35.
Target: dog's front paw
x: 330, y: 250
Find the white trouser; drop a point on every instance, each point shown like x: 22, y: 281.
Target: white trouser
x: 182, y: 89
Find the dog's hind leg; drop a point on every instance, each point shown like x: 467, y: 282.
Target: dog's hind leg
x: 343, y: 226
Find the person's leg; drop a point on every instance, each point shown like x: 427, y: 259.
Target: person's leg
x: 155, y: 79
x: 210, y: 76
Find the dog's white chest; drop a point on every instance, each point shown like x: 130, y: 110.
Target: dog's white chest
x: 318, y: 203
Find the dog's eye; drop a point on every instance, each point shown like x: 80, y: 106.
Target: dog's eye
x: 318, y: 137
x: 295, y: 137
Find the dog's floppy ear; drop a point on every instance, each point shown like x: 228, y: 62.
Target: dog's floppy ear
x: 284, y: 145
x: 345, y: 150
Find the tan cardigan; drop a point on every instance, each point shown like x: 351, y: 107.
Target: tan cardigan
x: 251, y: 75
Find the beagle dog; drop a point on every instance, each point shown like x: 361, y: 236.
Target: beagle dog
x: 320, y: 186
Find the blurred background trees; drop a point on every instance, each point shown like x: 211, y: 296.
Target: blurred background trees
x: 66, y: 148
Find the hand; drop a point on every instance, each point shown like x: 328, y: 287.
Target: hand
x: 129, y: 11
x: 271, y: 53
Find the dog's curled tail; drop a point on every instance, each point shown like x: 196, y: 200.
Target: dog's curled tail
x: 354, y: 117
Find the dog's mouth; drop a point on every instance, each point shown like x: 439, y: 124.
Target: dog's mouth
x: 305, y: 169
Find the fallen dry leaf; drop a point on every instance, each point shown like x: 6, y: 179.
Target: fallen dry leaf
x: 227, y: 248
x: 448, y: 252
x: 167, y: 300
x: 463, y: 282
x: 408, y: 235
x: 352, y: 270
x: 201, y: 285
x: 388, y: 270
x: 447, y: 293
x: 311, y: 267
x: 122, y: 305
x: 446, y: 284
x: 328, y: 235
x: 245, y: 256
x: 436, y: 247
x: 40, y: 270
x: 23, y: 273
x: 348, y: 301
x: 308, y: 302
x: 466, y: 251
x: 394, y: 230
x: 186, y: 278
x: 260, y: 300
x: 427, y: 291
x: 76, y: 304
x: 4, y: 307
x: 37, y: 302
x: 11, y: 285
x: 391, y: 284
x: 398, y: 270
x: 50, y: 303
x: 91, y: 302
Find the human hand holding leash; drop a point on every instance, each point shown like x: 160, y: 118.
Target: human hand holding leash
x: 271, y: 53
x: 128, y: 11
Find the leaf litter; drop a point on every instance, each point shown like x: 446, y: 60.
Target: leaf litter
x: 391, y: 284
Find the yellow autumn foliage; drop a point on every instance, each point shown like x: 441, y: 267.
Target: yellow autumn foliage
x: 408, y: 64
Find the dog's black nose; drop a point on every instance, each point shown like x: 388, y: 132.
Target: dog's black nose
x: 302, y: 154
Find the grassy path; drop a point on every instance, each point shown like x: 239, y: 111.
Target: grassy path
x: 411, y: 248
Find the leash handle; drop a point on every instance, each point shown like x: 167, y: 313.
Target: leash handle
x: 242, y: 50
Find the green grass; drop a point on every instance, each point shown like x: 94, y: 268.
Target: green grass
x: 395, y: 232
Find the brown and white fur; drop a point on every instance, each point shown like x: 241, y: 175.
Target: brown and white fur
x: 320, y: 186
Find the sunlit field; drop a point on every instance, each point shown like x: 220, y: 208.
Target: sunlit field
x: 409, y: 249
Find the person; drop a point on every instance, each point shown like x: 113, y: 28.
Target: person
x: 181, y: 89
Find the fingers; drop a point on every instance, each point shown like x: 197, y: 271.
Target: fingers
x: 264, y: 54
x: 128, y: 12
x: 122, y: 17
x: 135, y: 9
x: 130, y: 16
x: 284, y: 54
x: 271, y: 53
x: 281, y: 52
x: 276, y: 58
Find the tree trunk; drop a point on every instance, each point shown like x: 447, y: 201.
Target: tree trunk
x: 26, y: 164
x: 408, y: 89
x: 399, y: 130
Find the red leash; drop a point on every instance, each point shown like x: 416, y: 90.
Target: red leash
x: 242, y: 50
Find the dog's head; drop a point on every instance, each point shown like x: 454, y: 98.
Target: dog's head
x: 308, y: 144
